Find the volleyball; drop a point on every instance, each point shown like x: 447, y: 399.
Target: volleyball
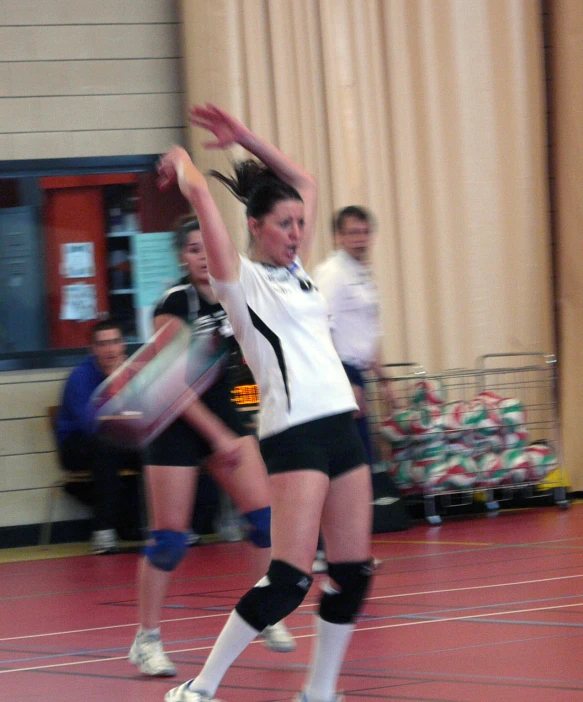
x: 394, y: 432
x: 452, y: 418
x: 514, y: 437
x: 512, y: 412
x: 430, y: 450
x: 404, y: 453
x: 422, y: 420
x: 483, y: 444
x: 461, y: 446
x: 517, y: 463
x: 419, y: 470
x: 462, y: 472
x: 542, y: 460
x: 491, y: 470
x: 492, y: 401
x: 489, y: 398
x: 428, y: 391
x: 140, y: 399
x: 496, y: 443
x: 403, y: 419
x: 435, y: 476
x: 401, y: 472
x: 475, y: 415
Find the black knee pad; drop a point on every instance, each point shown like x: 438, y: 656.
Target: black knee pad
x: 353, y: 579
x: 275, y: 596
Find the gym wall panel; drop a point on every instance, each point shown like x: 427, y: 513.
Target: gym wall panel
x: 89, y: 42
x: 86, y: 11
x: 90, y: 112
x: 89, y: 78
x: 20, y: 473
x: 31, y: 506
x: 92, y: 143
x: 99, y: 77
x: 25, y: 436
x: 28, y: 459
x: 27, y: 400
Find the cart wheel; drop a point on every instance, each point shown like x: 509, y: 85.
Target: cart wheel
x: 564, y: 504
x: 434, y: 519
x: 492, y: 506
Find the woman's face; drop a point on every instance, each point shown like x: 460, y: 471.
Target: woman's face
x: 193, y: 256
x: 277, y: 235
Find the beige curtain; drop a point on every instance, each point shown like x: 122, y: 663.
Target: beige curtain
x: 566, y: 104
x: 429, y: 112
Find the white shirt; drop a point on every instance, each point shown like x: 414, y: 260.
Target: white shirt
x: 281, y: 323
x: 353, y: 302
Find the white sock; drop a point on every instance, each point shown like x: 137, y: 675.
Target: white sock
x: 154, y: 633
x: 329, y: 651
x: 233, y: 640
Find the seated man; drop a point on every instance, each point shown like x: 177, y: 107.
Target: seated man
x: 77, y: 444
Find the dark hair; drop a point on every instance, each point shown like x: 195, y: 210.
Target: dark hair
x: 356, y: 211
x: 257, y: 186
x: 105, y: 325
x: 182, y: 227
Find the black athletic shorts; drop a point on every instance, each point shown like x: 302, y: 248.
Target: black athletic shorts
x: 181, y: 445
x: 330, y: 444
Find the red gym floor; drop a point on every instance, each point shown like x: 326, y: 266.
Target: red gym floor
x: 476, y: 609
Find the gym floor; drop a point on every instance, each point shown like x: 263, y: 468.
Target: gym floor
x: 476, y: 609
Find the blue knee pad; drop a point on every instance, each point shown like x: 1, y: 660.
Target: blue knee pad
x: 260, y: 523
x: 167, y: 550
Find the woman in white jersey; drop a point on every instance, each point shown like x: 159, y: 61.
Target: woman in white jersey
x: 308, y: 438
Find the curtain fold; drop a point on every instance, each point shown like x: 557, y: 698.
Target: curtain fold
x: 429, y: 112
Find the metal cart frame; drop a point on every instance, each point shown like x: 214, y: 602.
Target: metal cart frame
x: 529, y: 377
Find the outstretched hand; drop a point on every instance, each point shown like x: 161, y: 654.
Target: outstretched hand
x: 225, y: 127
x: 177, y: 166
x: 168, y: 166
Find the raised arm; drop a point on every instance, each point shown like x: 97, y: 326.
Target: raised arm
x: 222, y: 255
x: 228, y: 131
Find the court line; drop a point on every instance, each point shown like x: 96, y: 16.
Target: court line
x: 437, y: 543
x: 303, y: 606
x: 471, y: 587
x: 397, y: 625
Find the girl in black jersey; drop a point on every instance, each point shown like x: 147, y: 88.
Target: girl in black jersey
x: 212, y: 433
x: 309, y: 440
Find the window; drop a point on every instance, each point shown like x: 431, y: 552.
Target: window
x: 80, y: 240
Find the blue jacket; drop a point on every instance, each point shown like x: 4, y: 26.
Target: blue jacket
x: 76, y: 413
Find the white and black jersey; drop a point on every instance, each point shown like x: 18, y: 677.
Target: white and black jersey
x: 183, y: 301
x: 281, y: 322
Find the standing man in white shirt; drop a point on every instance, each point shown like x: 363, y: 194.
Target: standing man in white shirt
x: 345, y: 280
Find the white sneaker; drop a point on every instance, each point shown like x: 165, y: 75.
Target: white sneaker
x: 192, y: 538
x: 104, y: 541
x: 148, y: 655
x: 277, y: 638
x: 337, y: 698
x: 320, y: 565
x: 231, y: 532
x: 182, y: 693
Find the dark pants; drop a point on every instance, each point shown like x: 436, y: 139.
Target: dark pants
x: 356, y: 378
x: 84, y: 452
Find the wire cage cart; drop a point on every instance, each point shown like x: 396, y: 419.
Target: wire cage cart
x: 484, y: 433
